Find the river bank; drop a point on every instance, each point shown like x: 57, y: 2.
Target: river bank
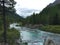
x: 30, y: 35
x: 12, y: 35
x: 47, y: 28
x: 51, y: 28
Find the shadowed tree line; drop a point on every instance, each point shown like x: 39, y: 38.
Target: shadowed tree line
x: 49, y: 15
x: 47, y: 20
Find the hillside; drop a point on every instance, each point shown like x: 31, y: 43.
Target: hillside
x: 48, y: 15
x: 11, y: 16
x: 54, y: 3
x: 57, y: 2
x: 48, y: 18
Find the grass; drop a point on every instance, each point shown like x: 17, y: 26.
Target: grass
x: 51, y: 28
x: 12, y: 36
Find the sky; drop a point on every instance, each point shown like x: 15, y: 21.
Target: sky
x: 28, y: 7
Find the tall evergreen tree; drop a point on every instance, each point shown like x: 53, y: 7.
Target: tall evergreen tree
x: 56, y: 20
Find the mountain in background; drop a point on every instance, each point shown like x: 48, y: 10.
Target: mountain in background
x: 56, y: 2
x: 11, y: 15
x: 49, y: 15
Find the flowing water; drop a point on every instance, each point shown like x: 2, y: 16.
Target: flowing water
x: 35, y: 36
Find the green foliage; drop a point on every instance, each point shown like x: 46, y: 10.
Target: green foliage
x: 51, y: 28
x: 10, y: 12
x: 13, y: 33
x: 12, y: 36
x: 11, y: 17
x: 49, y: 15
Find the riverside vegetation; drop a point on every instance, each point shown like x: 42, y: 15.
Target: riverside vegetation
x: 49, y: 18
x: 11, y: 17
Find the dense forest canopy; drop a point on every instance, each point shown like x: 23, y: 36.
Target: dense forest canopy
x: 49, y: 15
x: 47, y: 20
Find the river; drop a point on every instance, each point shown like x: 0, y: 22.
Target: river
x: 35, y: 36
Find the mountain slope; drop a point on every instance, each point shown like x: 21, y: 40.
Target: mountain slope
x: 55, y: 3
x: 11, y: 16
x: 48, y: 19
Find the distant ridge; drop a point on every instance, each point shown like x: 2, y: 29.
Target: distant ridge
x: 55, y: 3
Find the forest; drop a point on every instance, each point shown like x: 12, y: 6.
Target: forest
x: 11, y: 17
x: 49, y: 18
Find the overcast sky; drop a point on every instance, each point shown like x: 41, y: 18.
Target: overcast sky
x: 27, y: 7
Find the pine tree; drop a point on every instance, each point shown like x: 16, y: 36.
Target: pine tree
x: 56, y: 20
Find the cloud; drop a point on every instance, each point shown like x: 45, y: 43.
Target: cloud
x: 27, y: 7
x: 26, y: 12
x: 33, y: 4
